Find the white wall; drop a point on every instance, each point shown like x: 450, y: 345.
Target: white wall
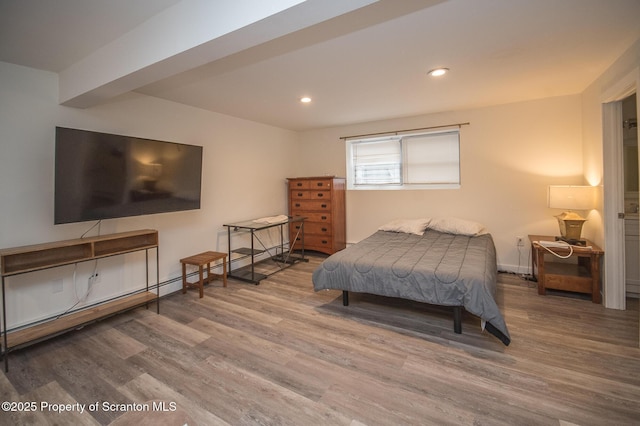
x: 509, y: 155
x: 245, y: 166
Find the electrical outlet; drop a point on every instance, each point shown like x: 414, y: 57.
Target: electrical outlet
x: 94, y: 279
x: 519, y: 241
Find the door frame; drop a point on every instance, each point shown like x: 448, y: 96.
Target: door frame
x: 614, y: 283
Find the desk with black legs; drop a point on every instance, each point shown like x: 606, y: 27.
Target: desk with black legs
x: 281, y: 253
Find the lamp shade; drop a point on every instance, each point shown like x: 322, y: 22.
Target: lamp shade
x: 572, y: 197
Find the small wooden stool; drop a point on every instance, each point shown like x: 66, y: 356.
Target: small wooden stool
x: 200, y: 260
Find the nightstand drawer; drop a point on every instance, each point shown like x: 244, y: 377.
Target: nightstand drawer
x: 568, y: 283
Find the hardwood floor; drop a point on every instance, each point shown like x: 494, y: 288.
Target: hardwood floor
x: 278, y: 353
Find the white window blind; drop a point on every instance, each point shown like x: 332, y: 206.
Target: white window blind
x: 377, y: 162
x: 416, y: 161
x: 432, y: 159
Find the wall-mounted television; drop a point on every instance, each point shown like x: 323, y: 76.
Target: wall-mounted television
x: 104, y: 176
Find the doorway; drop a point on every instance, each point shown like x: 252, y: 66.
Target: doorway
x: 614, y: 282
x: 631, y: 199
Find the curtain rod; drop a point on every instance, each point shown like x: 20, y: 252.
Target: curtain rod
x: 395, y: 132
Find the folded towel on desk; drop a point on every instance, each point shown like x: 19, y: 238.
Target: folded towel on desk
x: 272, y: 219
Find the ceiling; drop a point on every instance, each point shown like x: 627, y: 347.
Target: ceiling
x: 362, y: 62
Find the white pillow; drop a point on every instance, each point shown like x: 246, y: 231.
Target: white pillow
x: 453, y: 225
x: 409, y: 226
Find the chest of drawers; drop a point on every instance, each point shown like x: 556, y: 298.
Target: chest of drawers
x: 322, y: 201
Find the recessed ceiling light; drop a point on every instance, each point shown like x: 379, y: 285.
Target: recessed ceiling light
x: 305, y: 99
x: 437, y: 72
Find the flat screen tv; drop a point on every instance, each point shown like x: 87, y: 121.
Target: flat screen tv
x: 104, y: 176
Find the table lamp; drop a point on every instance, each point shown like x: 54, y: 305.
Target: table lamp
x: 571, y: 197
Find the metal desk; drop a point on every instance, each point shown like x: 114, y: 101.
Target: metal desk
x: 281, y: 253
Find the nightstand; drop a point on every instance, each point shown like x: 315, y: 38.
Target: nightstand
x: 580, y: 277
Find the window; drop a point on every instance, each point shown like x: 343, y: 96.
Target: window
x: 416, y: 161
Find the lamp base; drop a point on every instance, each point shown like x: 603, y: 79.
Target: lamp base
x: 572, y: 241
x: 570, y: 225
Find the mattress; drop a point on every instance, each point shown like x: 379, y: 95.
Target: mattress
x: 437, y: 268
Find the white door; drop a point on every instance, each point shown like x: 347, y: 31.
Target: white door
x: 614, y: 295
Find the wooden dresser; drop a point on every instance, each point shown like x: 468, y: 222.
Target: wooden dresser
x: 322, y: 201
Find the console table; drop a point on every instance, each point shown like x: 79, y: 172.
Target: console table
x: 22, y: 260
x: 581, y: 277
x: 281, y: 254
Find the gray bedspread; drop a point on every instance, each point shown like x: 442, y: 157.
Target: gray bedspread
x: 437, y: 268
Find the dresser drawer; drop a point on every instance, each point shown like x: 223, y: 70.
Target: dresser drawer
x: 320, y: 195
x: 317, y: 217
x: 311, y: 228
x: 300, y: 195
x: 320, y: 184
x: 314, y: 242
x: 298, y: 208
x: 299, y: 184
x: 313, y: 195
x: 295, y: 227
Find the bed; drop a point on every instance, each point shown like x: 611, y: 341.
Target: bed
x: 450, y: 262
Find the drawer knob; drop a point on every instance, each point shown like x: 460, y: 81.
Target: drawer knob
x: 320, y: 195
x: 299, y: 194
x: 297, y: 204
x: 324, y: 229
x: 323, y: 217
x: 324, y: 206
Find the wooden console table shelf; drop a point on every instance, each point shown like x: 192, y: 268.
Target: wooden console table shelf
x: 68, y: 322
x: 22, y: 260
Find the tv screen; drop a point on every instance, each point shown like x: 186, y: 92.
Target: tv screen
x: 103, y: 176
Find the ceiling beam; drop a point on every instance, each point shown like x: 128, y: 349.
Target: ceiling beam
x: 185, y: 36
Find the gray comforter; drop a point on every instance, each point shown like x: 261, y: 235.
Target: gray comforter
x: 436, y: 268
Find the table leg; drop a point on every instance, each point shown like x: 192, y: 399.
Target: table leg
x: 595, y: 277
x: 224, y: 272
x: 184, y: 278
x: 533, y: 262
x: 540, y: 261
x: 201, y: 283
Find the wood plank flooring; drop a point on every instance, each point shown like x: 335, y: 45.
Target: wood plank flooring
x: 281, y: 354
